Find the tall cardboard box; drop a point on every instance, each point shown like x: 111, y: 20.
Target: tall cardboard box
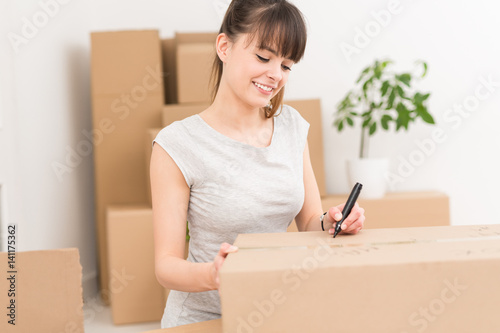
x: 127, y: 98
x: 432, y: 279
x: 136, y: 295
x: 310, y: 109
x: 195, y: 54
x: 42, y: 291
x: 171, y: 113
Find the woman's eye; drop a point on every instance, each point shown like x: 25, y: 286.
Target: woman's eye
x: 262, y: 58
x: 286, y: 68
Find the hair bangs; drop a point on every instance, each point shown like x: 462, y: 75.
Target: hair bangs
x: 277, y: 29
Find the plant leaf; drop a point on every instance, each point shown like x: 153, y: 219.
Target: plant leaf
x: 404, y: 78
x: 377, y: 72
x: 363, y: 73
x: 384, y: 123
x: 340, y: 126
x: 390, y: 101
x: 373, y: 128
x: 366, y: 86
x: 385, y: 63
x: 426, y: 96
x: 403, y: 116
x: 425, y: 115
x: 400, y: 91
x: 385, y: 87
x: 425, y: 69
x: 350, y: 121
x: 366, y: 122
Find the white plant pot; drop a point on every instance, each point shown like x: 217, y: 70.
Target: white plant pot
x: 371, y: 173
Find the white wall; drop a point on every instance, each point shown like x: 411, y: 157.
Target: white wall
x: 46, y: 100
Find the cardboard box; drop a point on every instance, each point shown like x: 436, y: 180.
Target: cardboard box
x: 432, y: 279
x: 195, y: 37
x: 194, y: 65
x: 210, y: 326
x: 171, y: 113
x: 310, y: 109
x: 195, y: 53
x: 127, y: 98
x: 400, y: 209
x: 136, y: 295
x: 43, y: 290
x: 169, y: 69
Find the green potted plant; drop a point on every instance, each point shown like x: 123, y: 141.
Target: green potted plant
x: 381, y: 100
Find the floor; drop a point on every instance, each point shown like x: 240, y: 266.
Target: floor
x: 98, y: 320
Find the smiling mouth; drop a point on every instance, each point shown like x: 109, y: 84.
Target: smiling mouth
x: 263, y: 87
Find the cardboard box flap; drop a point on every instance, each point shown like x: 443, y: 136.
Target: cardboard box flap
x: 47, y: 291
x: 388, y: 254
x: 371, y: 247
x: 310, y: 238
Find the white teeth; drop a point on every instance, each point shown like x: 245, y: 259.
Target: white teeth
x: 263, y: 87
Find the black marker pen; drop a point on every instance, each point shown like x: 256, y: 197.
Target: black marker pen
x: 348, y: 206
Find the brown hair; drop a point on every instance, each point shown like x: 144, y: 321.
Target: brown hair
x: 275, y: 23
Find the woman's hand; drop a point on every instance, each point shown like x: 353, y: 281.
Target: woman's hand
x: 352, y: 224
x: 224, y: 250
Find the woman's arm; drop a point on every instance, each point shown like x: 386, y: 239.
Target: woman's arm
x: 170, y: 195
x: 308, y: 218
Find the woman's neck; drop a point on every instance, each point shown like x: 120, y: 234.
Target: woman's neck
x: 235, y: 114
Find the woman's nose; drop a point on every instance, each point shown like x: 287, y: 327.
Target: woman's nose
x: 275, y: 72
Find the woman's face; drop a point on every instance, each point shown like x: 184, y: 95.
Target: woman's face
x: 254, y: 75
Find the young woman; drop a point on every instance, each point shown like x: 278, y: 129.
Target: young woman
x: 240, y: 166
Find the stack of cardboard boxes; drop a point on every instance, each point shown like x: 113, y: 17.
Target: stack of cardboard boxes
x: 140, y: 84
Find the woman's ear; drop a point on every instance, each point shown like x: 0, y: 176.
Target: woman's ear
x: 222, y: 46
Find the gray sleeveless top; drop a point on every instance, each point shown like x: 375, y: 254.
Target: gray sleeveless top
x: 235, y: 188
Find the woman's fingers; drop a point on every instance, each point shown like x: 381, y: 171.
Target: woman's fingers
x: 354, y: 222
x: 224, y: 250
